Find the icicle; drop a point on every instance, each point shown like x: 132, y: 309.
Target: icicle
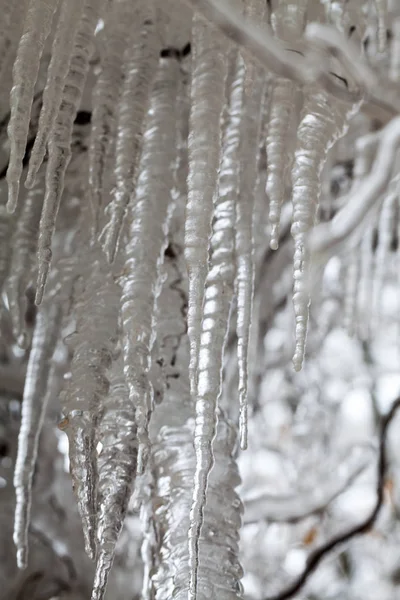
x: 288, y: 23
x: 207, y: 95
x: 282, y: 98
x: 36, y: 29
x: 33, y: 411
x: 140, y: 67
x: 382, y: 14
x: 174, y: 462
x: 63, y: 45
x: 94, y: 346
x: 251, y: 122
x: 323, y: 121
x: 60, y: 139
x: 23, y: 247
x: 118, y: 459
x: 217, y: 304
x: 105, y: 100
x: 149, y: 217
x: 385, y: 234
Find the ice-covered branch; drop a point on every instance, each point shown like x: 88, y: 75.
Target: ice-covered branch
x: 328, y: 237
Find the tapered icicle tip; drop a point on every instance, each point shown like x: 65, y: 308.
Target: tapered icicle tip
x: 103, y: 568
x: 22, y: 558
x: 243, y: 420
x: 13, y: 192
x: 21, y: 529
x: 298, y: 359
x: 274, y: 241
x: 89, y: 529
x: 30, y: 180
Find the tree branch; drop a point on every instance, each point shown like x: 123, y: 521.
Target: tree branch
x: 319, y: 553
x: 381, y: 98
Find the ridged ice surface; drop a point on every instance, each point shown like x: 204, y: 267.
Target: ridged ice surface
x: 207, y: 95
x: 140, y: 68
x: 94, y: 346
x: 148, y: 217
x: 219, y: 570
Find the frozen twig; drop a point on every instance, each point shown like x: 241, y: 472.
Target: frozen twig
x: 319, y: 553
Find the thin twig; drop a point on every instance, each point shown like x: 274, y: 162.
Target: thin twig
x: 319, y: 553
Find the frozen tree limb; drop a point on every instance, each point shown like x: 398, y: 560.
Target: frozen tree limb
x: 303, y: 64
x: 319, y: 553
x: 294, y: 507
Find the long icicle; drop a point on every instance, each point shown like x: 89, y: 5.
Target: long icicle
x: 106, y: 93
x: 63, y: 45
x: 60, y: 140
x: 323, y: 121
x: 251, y: 124
x: 141, y: 65
x: 34, y: 403
x: 207, y: 94
x: 144, y: 251
x: 36, y: 29
x: 217, y: 303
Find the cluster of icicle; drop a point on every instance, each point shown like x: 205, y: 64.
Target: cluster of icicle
x: 101, y: 278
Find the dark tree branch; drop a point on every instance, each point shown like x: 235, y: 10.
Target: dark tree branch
x: 319, y: 553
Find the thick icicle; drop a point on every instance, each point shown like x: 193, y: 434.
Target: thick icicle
x: 288, y: 23
x: 174, y: 463
x: 23, y: 248
x: 250, y: 135
x: 63, y: 45
x: 323, y: 121
x: 34, y: 403
x: 94, y: 346
x: 36, y: 29
x: 140, y: 67
x: 60, y: 139
x: 105, y: 100
x: 217, y: 303
x: 207, y: 95
x: 144, y: 251
x: 117, y: 471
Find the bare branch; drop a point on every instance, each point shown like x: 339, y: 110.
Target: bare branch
x: 319, y: 553
x: 294, y: 507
